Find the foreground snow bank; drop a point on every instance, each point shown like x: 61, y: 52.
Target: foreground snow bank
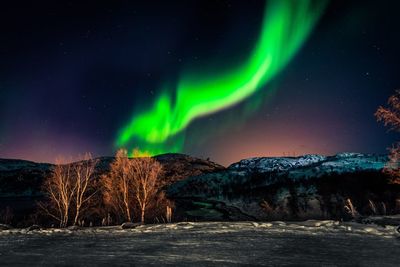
x: 312, y: 227
x: 309, y: 243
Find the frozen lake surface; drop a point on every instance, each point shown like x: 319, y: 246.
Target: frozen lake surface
x: 311, y: 243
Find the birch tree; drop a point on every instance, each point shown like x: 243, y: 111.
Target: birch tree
x: 69, y: 189
x: 130, y: 183
x: 60, y: 191
x: 117, y: 186
x: 84, y: 180
x: 145, y: 171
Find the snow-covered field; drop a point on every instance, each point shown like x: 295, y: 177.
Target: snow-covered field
x: 310, y: 243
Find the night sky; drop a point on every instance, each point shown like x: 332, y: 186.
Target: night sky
x: 72, y: 75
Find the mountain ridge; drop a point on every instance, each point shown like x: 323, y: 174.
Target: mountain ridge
x: 259, y: 188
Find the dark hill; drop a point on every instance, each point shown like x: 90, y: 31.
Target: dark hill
x: 21, y: 178
x: 21, y: 181
x: 284, y: 188
x: 307, y: 187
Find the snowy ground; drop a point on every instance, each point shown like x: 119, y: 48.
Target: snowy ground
x: 310, y: 243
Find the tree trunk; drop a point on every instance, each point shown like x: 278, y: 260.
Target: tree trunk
x: 128, y: 214
x: 76, y: 216
x: 142, y: 214
x: 65, y: 220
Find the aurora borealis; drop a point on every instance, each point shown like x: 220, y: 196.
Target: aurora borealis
x: 286, y: 26
x: 219, y: 79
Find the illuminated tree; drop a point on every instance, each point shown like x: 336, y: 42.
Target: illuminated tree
x: 69, y: 189
x: 145, y: 172
x: 390, y: 116
x: 60, y: 191
x: 117, y: 186
x: 130, y: 183
x: 83, y: 179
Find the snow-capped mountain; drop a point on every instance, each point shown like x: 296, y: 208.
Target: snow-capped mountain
x: 310, y: 186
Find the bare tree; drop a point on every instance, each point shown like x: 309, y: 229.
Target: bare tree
x: 145, y: 171
x: 130, y: 183
x: 60, y: 191
x: 390, y: 116
x: 83, y: 179
x: 69, y: 189
x: 117, y: 185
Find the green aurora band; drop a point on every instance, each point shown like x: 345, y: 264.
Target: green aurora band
x: 285, y: 28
